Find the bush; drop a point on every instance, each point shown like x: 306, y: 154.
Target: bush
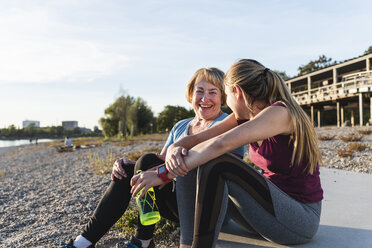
x: 344, y: 153
x: 135, y: 155
x: 365, y: 131
x: 351, y: 137
x: 102, y: 165
x: 326, y: 137
x: 352, y: 147
x: 357, y: 146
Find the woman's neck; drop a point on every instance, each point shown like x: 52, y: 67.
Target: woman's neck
x: 203, y: 121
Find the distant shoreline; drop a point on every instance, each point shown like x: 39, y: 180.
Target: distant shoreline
x: 33, y: 138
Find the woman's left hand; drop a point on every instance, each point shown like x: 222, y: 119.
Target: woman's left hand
x: 174, y: 161
x: 144, y: 180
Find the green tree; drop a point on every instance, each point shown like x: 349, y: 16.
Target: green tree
x: 226, y: 109
x: 77, y: 131
x: 143, y: 116
x: 315, y: 65
x: 369, y: 50
x: 60, y: 131
x: 115, y: 121
x: 127, y: 116
x: 52, y: 130
x: 109, y: 126
x: 282, y: 74
x: 12, y: 131
x: 30, y: 130
x: 171, y: 115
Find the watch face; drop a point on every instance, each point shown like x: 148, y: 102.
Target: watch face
x: 161, y: 169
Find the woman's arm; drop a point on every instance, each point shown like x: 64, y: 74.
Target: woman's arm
x: 176, y: 151
x: 272, y: 121
x: 191, y: 140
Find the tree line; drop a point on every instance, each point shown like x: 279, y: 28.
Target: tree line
x: 129, y: 116
x: 125, y: 118
x: 31, y: 131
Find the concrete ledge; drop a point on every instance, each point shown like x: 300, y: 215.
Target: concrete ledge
x: 346, y: 219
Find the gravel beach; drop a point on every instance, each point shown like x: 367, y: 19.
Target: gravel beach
x: 47, y: 197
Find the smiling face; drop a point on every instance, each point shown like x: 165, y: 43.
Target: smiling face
x: 206, y: 100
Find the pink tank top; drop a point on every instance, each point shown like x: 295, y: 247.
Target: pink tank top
x: 274, y: 158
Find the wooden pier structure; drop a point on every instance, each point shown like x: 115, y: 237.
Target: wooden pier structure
x: 346, y: 86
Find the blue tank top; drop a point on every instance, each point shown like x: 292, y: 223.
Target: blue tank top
x: 181, y: 128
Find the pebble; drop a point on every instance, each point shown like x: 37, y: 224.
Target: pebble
x: 47, y: 197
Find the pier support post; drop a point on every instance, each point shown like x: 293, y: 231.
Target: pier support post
x: 370, y: 110
x: 352, y: 117
x: 309, y: 89
x: 318, y: 117
x: 312, y: 113
x: 334, y: 76
x: 361, y: 109
x: 338, y: 113
x: 342, y: 115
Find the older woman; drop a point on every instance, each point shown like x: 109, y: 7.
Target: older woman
x: 283, y: 202
x: 205, y: 91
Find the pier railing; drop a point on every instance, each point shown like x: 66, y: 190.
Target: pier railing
x: 350, y: 85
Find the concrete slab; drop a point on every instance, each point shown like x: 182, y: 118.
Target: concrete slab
x: 346, y: 219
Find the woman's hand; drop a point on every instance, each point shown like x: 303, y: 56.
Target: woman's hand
x: 144, y: 180
x: 174, y: 161
x: 117, y: 168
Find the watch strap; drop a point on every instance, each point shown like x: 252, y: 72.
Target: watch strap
x: 163, y: 176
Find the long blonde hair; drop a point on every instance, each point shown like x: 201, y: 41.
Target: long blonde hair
x: 260, y: 83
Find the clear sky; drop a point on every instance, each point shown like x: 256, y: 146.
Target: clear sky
x: 69, y: 59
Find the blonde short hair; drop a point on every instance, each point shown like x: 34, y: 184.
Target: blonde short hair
x: 211, y: 75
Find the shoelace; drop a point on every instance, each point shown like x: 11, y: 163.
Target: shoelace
x: 129, y: 244
x: 132, y: 245
x: 66, y: 245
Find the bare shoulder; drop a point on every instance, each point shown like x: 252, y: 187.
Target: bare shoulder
x: 284, y: 118
x: 277, y: 118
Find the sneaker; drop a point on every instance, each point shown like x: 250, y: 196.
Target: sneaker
x: 71, y: 244
x: 133, y: 243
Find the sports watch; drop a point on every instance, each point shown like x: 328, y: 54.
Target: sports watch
x: 162, y: 173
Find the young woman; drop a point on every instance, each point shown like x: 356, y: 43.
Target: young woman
x: 205, y: 91
x: 283, y: 203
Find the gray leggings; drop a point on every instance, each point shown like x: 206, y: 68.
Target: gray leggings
x: 186, y: 193
x: 256, y: 204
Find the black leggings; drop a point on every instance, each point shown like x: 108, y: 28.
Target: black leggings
x: 116, y: 199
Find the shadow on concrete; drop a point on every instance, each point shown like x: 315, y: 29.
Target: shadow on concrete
x: 340, y: 237
x: 233, y: 236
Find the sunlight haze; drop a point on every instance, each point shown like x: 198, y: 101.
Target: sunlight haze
x: 69, y: 60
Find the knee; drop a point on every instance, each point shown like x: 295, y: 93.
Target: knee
x: 147, y: 161
x: 214, y: 166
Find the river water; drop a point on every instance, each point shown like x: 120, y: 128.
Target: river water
x: 19, y: 142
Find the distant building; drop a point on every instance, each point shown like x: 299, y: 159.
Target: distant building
x: 85, y: 130
x: 26, y: 123
x: 69, y: 124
